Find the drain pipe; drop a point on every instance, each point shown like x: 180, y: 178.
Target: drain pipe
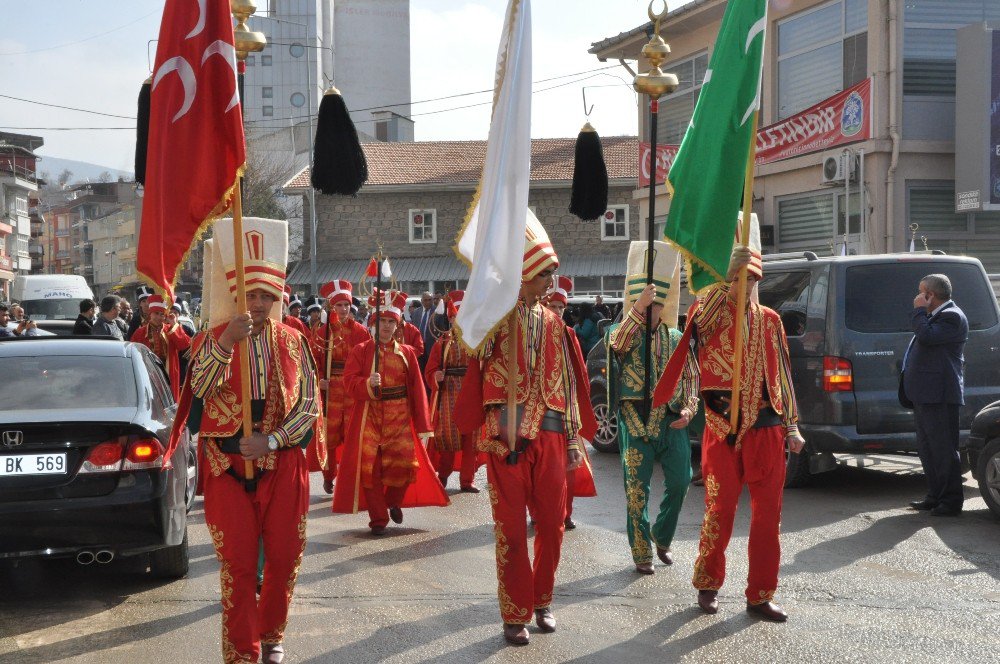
x: 890, y: 182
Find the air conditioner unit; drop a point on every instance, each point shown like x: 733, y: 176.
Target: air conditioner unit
x: 839, y: 167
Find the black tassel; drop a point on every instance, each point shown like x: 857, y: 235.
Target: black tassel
x: 142, y: 131
x: 589, y: 198
x: 339, y: 164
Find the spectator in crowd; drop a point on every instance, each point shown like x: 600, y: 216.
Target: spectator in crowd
x: 108, y: 323
x: 24, y: 327
x: 601, y: 308
x: 16, y: 312
x: 140, y: 317
x: 85, y: 321
x: 586, y: 328
x: 933, y: 371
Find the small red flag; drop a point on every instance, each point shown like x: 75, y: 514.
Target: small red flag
x: 372, y: 270
x: 196, y: 147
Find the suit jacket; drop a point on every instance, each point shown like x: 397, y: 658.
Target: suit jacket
x: 935, y: 363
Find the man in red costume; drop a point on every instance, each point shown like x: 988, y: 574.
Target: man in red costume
x: 162, y: 335
x: 406, y: 333
x: 384, y: 463
x: 270, y: 506
x: 756, y: 455
x: 556, y: 301
x: 342, y: 333
x: 444, y: 372
x: 289, y: 319
x: 548, y: 437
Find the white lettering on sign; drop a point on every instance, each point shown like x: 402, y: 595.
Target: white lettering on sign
x: 967, y: 200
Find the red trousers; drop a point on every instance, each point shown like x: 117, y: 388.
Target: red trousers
x: 759, y: 463
x: 380, y: 497
x: 570, y: 483
x: 446, y: 462
x: 237, y: 521
x: 538, y: 478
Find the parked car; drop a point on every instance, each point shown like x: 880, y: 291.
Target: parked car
x: 84, y: 424
x: 847, y: 319
x: 606, y: 438
x: 984, y: 454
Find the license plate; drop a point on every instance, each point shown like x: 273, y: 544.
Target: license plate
x: 32, y: 464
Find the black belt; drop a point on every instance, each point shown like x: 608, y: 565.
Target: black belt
x: 767, y: 417
x: 337, y: 366
x: 455, y: 371
x: 392, y: 393
x: 551, y: 421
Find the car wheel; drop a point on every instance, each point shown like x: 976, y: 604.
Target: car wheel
x: 191, y: 485
x: 606, y: 438
x: 989, y: 475
x: 796, y: 468
x: 170, y: 562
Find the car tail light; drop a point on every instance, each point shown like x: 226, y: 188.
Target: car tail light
x: 837, y: 375
x: 103, y: 458
x: 143, y: 453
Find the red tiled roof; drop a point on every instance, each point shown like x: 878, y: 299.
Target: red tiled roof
x: 461, y: 162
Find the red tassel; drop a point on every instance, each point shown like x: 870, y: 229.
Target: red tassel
x: 372, y: 270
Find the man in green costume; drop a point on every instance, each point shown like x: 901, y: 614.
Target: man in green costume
x: 661, y: 438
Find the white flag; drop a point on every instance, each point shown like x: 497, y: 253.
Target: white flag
x: 386, y: 269
x: 493, y: 237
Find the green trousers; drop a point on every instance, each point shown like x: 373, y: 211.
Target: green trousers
x: 671, y: 449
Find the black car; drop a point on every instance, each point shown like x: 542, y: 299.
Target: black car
x: 984, y: 454
x: 84, y: 426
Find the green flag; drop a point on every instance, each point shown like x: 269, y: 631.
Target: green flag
x: 706, y: 178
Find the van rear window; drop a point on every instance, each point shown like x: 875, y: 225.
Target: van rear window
x: 879, y: 298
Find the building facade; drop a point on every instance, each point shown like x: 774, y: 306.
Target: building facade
x: 314, y: 44
x: 18, y: 182
x: 815, y: 49
x: 417, y: 198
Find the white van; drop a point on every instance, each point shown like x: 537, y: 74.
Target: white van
x: 51, y: 300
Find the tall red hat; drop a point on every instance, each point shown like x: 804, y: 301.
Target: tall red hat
x: 561, y: 290
x: 339, y: 290
x: 390, y: 303
x: 157, y: 302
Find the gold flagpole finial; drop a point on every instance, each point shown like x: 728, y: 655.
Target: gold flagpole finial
x: 655, y: 82
x: 246, y: 40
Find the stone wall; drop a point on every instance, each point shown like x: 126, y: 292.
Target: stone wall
x: 351, y: 227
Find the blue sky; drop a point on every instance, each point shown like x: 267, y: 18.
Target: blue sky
x: 94, y: 54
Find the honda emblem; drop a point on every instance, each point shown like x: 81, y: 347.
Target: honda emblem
x: 12, y: 438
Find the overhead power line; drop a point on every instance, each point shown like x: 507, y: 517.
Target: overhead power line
x: 80, y: 41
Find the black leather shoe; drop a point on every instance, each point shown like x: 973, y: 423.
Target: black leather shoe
x: 664, y: 555
x: 545, y: 620
x: 328, y: 486
x: 644, y: 568
x: 515, y: 634
x: 768, y: 611
x: 378, y: 531
x: 943, y: 510
x: 468, y: 488
x: 396, y: 514
x: 708, y: 600
x: 923, y: 504
x: 272, y: 653
x: 443, y: 479
x: 569, y: 524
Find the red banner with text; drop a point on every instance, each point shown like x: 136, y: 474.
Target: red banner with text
x: 843, y: 118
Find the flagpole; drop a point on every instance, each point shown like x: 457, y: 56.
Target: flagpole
x: 741, y: 294
x: 378, y: 301
x: 647, y: 357
x: 654, y: 83
x: 245, y: 41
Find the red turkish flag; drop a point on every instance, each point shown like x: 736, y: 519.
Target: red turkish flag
x: 196, y: 149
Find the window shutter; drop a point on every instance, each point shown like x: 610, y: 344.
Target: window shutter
x: 806, y: 221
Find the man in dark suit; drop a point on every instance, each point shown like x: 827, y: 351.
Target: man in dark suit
x: 933, y: 381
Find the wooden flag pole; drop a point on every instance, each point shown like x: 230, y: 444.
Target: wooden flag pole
x: 243, y: 347
x: 741, y: 295
x: 513, y: 374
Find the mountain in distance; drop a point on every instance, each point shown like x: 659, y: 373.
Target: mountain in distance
x: 82, y: 171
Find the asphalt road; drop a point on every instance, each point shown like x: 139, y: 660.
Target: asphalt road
x: 863, y: 578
